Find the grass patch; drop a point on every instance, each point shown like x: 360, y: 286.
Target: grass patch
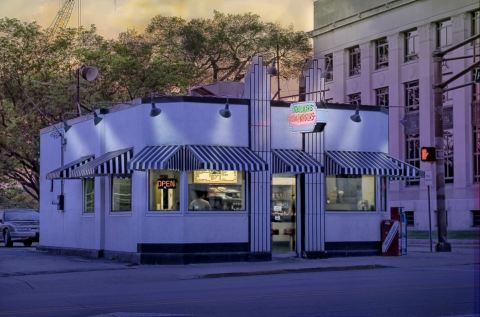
x: 453, y: 234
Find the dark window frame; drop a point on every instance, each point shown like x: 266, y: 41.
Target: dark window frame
x: 412, y: 96
x: 355, y: 99
x: 443, y: 31
x: 412, y: 155
x: 328, y: 67
x: 354, y: 61
x: 411, y: 42
x: 381, y: 53
x: 382, y: 96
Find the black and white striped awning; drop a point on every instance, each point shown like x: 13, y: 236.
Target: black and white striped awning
x: 115, y: 162
x: 293, y: 161
x: 66, y: 170
x: 368, y: 163
x: 198, y: 157
x: 161, y: 157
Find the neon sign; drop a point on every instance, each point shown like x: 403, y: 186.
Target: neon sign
x: 303, y: 116
x: 166, y: 183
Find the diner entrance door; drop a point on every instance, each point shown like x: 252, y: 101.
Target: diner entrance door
x: 283, y: 214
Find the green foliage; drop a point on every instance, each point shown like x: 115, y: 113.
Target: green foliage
x: 38, y: 81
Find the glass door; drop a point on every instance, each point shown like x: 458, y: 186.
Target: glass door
x: 283, y: 214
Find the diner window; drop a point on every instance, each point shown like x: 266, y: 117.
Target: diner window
x: 411, y: 45
x: 412, y: 150
x: 329, y: 67
x: 88, y: 185
x: 381, y: 97
x: 381, y: 53
x: 164, y: 190
x: 216, y: 190
x: 354, y: 65
x: 411, y: 96
x: 448, y: 155
x: 444, y: 33
x: 355, y: 99
x: 121, y: 193
x: 350, y: 193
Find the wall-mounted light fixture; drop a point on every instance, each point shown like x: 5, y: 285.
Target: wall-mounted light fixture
x: 96, y: 118
x: 225, y: 112
x: 155, y: 111
x: 66, y: 126
x: 356, y: 116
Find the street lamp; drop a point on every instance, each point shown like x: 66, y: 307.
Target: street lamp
x: 88, y: 73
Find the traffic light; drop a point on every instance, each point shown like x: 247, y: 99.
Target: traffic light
x: 427, y: 154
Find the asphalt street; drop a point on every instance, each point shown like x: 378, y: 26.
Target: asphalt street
x: 420, y: 283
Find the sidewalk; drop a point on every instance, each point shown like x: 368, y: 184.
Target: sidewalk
x: 29, y: 261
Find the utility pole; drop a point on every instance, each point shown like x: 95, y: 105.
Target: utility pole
x: 439, y: 88
x: 442, y: 245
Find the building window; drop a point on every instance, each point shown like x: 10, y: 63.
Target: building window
x: 216, y: 190
x: 164, y: 190
x: 411, y: 96
x: 88, y: 185
x: 444, y: 33
x: 411, y: 45
x: 354, y: 66
x: 476, y: 153
x: 410, y: 217
x: 381, y: 53
x: 381, y: 97
x: 329, y: 67
x: 121, y: 193
x: 412, y: 150
x: 475, y: 22
x: 475, y: 218
x: 355, y: 99
x: 350, y: 193
x: 448, y: 155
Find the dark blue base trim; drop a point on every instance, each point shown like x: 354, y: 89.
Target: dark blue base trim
x: 86, y: 253
x: 364, y: 248
x: 315, y: 255
x: 192, y: 247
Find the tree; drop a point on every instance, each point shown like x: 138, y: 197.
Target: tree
x: 38, y: 81
x: 220, y: 48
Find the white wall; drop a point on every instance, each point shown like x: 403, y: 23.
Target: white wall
x: 179, y: 123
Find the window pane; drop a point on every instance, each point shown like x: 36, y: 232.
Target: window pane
x: 216, y: 190
x: 350, y: 193
x: 121, y: 193
x: 88, y: 195
x: 164, y: 190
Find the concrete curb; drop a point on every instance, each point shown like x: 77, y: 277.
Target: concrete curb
x: 299, y: 270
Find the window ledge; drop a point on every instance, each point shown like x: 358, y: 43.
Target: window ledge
x: 172, y: 213
x: 415, y: 61
x: 219, y: 212
x: 379, y: 70
x: 120, y: 213
x: 88, y: 214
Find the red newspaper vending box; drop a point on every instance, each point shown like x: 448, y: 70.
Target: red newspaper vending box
x: 390, y: 234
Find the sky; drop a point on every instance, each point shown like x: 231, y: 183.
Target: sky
x: 114, y: 16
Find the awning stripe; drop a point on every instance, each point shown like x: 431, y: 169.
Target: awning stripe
x: 66, y: 170
x: 115, y: 162
x: 222, y: 158
x: 368, y: 163
x: 293, y: 161
x: 162, y: 157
